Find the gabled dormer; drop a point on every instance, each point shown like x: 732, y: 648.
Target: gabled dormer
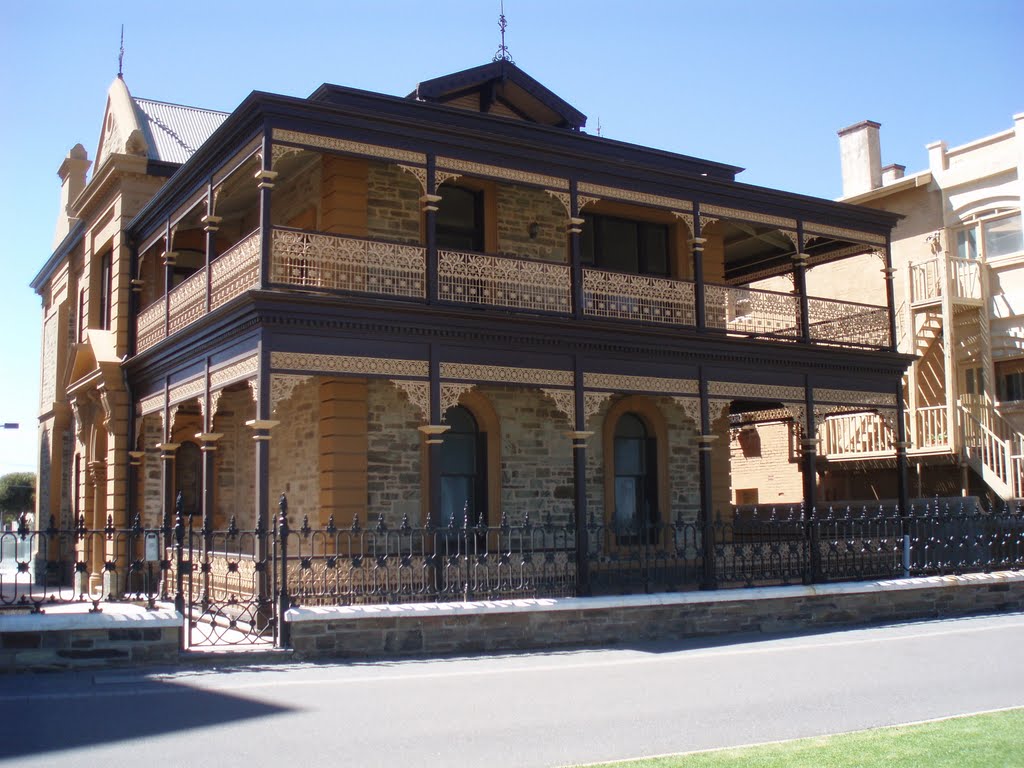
x: 501, y: 88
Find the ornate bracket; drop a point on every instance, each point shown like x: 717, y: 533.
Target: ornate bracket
x: 565, y: 402
x: 450, y: 394
x: 282, y: 386
x: 418, y: 394
x: 592, y: 403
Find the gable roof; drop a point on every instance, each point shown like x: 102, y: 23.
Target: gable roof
x: 173, y: 132
x: 504, y: 88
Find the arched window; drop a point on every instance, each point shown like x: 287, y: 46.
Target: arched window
x: 463, y: 470
x: 188, y: 477
x: 636, y: 481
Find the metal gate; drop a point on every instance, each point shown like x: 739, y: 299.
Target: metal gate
x: 224, y: 581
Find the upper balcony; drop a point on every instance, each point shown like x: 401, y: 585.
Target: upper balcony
x: 323, y: 262
x: 508, y: 242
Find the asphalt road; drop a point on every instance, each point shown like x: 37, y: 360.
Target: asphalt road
x: 538, y: 709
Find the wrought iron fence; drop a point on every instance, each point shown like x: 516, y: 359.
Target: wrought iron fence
x: 234, y: 583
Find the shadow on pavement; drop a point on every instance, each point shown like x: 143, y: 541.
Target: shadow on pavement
x: 110, y: 708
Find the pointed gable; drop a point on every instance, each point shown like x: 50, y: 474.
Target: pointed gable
x: 121, y: 133
x: 501, y: 88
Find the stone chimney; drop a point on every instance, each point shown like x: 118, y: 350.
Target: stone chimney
x: 892, y: 173
x: 72, y: 182
x: 861, y: 155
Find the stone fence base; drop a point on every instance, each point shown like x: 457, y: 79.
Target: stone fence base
x: 71, y: 637
x: 507, y: 625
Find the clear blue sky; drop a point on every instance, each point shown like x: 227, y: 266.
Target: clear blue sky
x: 763, y: 84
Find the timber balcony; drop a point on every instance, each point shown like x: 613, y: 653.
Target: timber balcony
x: 334, y: 264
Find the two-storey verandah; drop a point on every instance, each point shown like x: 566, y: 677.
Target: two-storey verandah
x: 298, y: 281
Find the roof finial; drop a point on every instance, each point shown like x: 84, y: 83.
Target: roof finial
x: 120, y: 57
x: 503, y: 54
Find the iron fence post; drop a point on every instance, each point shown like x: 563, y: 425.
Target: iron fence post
x: 283, y: 600
x: 179, y: 565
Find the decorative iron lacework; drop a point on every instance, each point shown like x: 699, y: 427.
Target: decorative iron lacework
x: 600, y: 191
x: 593, y: 402
x: 691, y: 407
x: 280, y: 151
x: 190, y: 389
x: 563, y: 198
x: 418, y: 394
x: 473, y: 278
x: 766, y: 415
x: 582, y: 200
x: 340, y: 263
x: 349, y: 147
x: 419, y: 172
x: 187, y: 301
x: 736, y: 213
x: 464, y: 167
x: 282, y: 385
x: 706, y: 221
x: 622, y: 383
x: 686, y: 218
x: 848, y: 234
x: 799, y: 413
x: 450, y: 394
x: 838, y: 322
x: 242, y: 369
x: 150, y: 325
x: 440, y: 177
x: 717, y: 409
x: 854, y: 397
x: 735, y: 389
x: 506, y: 374
x: 749, y: 311
x: 235, y: 271
x: 151, y: 404
x: 637, y: 297
x: 565, y: 402
x: 372, y: 366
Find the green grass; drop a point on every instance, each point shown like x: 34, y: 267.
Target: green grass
x: 993, y: 740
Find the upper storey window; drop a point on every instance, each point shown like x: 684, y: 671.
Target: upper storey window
x: 990, y: 237
x: 621, y: 245
x: 106, y: 291
x: 460, y: 219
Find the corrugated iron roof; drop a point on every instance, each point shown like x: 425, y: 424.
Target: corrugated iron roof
x: 173, y: 131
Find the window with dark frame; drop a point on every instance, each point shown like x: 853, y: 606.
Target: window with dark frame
x: 636, y: 482
x: 106, y: 286
x: 460, y: 219
x: 623, y: 245
x: 463, y: 470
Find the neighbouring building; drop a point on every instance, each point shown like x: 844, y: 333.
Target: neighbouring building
x: 455, y: 304
x: 958, y: 257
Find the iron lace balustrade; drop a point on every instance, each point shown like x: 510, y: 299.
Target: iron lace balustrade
x: 848, y: 324
x: 637, y: 297
x: 150, y: 324
x: 503, y: 281
x: 335, y: 263
x: 232, y: 273
x: 751, y: 312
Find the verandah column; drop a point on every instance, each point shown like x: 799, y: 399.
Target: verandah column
x: 800, y: 284
x: 211, y: 223
x: 208, y: 439
x: 902, y: 479
x: 261, y: 427
x: 809, y: 454
x: 430, y: 201
x: 707, y: 516
x: 579, y: 477
x: 698, y: 271
x: 266, y: 176
x: 576, y: 262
